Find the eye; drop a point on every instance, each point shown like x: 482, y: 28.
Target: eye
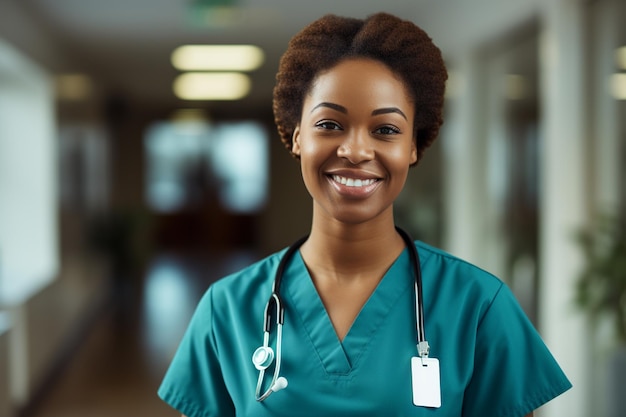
x: 387, y: 130
x: 328, y: 125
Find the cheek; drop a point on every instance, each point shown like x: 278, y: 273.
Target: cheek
x: 309, y: 155
x: 312, y: 152
x: 400, y: 158
x: 398, y: 164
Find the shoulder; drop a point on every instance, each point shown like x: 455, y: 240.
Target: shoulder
x: 254, y: 273
x: 436, y: 260
x: 245, y: 284
x: 454, y: 281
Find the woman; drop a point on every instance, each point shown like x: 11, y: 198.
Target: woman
x: 358, y: 102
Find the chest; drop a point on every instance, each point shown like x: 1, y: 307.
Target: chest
x: 344, y: 301
x: 368, y: 373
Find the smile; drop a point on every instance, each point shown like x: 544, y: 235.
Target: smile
x: 352, y: 182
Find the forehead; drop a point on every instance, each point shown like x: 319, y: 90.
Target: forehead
x: 360, y: 81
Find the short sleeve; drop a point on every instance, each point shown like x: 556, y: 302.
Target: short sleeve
x: 514, y: 372
x: 193, y: 384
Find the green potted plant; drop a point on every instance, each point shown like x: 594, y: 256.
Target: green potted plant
x: 601, y: 291
x: 602, y: 284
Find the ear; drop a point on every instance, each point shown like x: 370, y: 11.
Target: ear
x: 413, y: 157
x: 295, y: 141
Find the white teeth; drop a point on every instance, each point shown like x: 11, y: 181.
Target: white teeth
x: 350, y: 182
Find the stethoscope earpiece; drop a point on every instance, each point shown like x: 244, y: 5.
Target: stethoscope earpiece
x: 281, y: 383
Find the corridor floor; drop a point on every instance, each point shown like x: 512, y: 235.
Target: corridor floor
x: 118, y: 367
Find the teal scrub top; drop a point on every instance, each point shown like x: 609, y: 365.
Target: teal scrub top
x: 493, y: 363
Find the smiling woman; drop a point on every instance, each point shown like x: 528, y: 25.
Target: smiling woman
x: 355, y: 145
x: 361, y: 320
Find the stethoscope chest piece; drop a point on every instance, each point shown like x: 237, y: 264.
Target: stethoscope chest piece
x: 263, y: 357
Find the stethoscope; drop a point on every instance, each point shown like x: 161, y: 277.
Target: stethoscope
x: 264, y: 356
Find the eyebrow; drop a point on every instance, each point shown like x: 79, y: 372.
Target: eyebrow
x: 331, y: 106
x: 376, y: 112
x: 389, y: 110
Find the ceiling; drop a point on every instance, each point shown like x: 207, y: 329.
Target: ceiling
x: 126, y: 44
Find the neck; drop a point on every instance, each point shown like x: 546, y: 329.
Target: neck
x: 351, y: 251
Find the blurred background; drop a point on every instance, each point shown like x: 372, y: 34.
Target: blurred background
x: 123, y: 194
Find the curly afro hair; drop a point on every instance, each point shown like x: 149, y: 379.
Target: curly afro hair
x: 405, y: 48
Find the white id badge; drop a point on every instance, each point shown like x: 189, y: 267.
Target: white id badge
x: 426, y: 382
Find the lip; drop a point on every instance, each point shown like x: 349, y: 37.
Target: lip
x: 356, y: 174
x: 352, y: 191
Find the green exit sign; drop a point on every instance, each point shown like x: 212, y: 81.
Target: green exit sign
x: 212, y: 3
x: 212, y: 13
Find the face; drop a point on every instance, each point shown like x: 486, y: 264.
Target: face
x: 355, y: 141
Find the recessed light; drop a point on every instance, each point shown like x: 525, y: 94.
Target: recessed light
x: 73, y: 87
x: 617, y: 85
x: 217, y: 57
x: 192, y: 114
x: 212, y: 86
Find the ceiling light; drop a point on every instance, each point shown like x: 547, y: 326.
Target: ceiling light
x: 186, y: 115
x: 217, y: 57
x: 620, y: 57
x: 73, y: 87
x: 617, y: 85
x: 212, y: 86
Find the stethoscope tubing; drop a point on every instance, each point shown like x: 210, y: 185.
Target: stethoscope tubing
x: 276, y: 301
x: 417, y: 271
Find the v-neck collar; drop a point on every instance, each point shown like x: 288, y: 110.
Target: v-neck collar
x: 341, y: 357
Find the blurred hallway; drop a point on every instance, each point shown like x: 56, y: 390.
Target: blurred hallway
x: 101, y: 163
x: 117, y: 368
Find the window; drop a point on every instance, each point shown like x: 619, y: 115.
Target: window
x: 192, y: 162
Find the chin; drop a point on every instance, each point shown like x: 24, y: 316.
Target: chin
x: 355, y: 217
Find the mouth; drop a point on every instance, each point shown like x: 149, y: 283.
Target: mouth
x: 353, y: 187
x: 354, y: 182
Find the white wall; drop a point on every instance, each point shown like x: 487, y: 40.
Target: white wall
x: 564, y: 173
x: 567, y: 169
x: 49, y: 301
x: 459, y: 27
x: 28, y: 181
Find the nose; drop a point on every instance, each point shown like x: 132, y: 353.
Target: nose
x: 357, y: 147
